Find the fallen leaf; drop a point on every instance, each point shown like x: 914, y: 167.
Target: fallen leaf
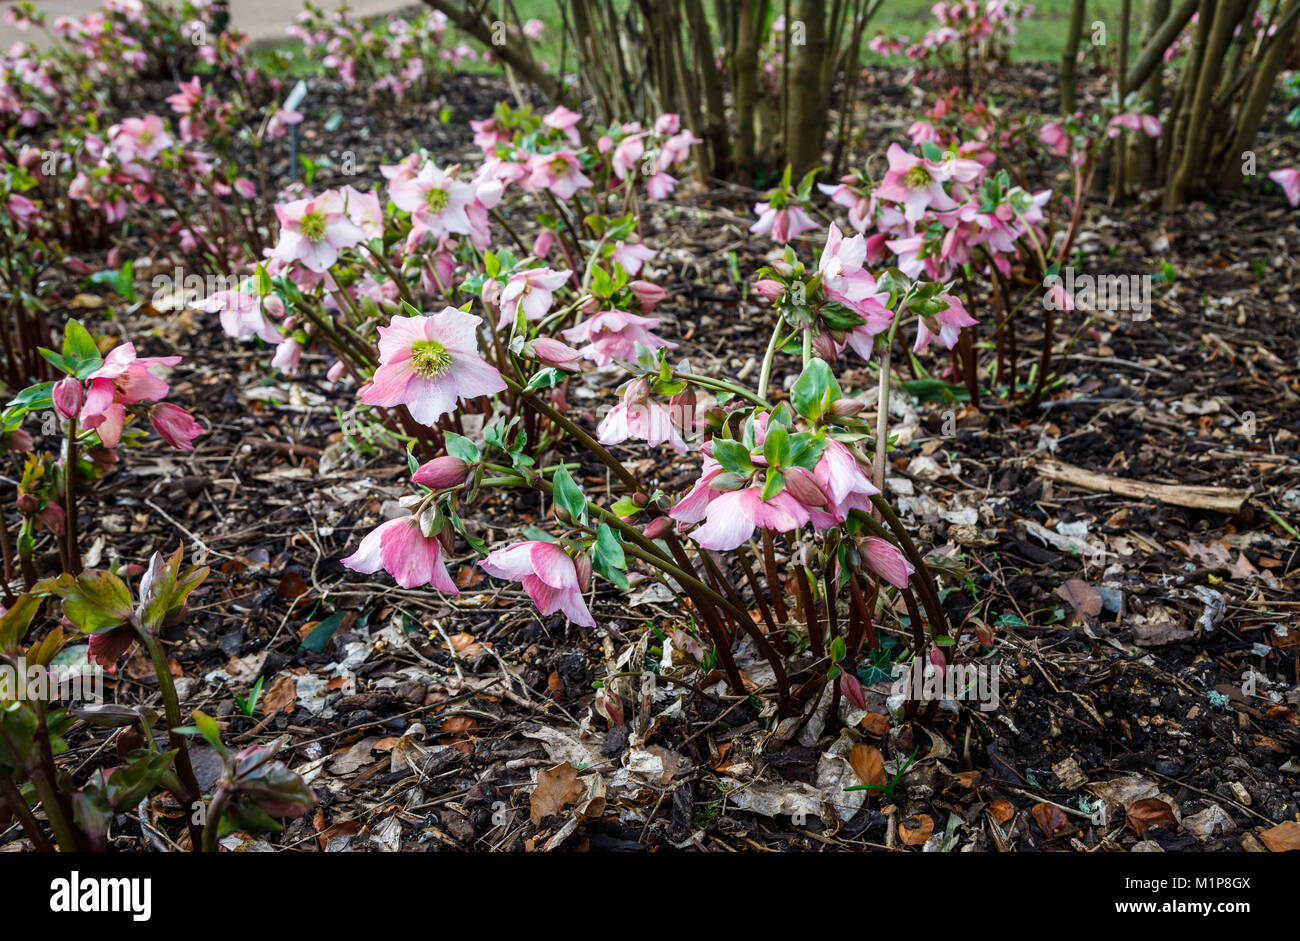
x: 914, y: 831
x: 1148, y: 813
x: 1282, y: 838
x: 556, y: 788
x: 1082, y: 597
x: 280, y: 696
x: 1002, y: 811
x: 1050, y: 818
x: 868, y: 764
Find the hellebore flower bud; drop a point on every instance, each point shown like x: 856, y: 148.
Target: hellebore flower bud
x: 582, y: 564
x: 591, y: 304
x: 554, y: 353
x: 728, y: 481
x: 938, y: 659
x: 658, y: 527
x: 771, y: 291
x: 803, y: 486
x: 542, y: 244
x: 28, y: 503
x: 441, y: 473
x: 640, y: 499
x: 824, y: 345
x: 68, y: 395
x: 853, y: 690
x: 847, y: 408
x: 647, y: 294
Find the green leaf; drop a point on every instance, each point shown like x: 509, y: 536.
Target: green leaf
x: 733, y: 456
x: 568, y: 494
x: 776, y: 446
x: 208, y: 728
x: 320, y: 635
x: 814, y: 390
x: 78, y: 343
x: 837, y: 649
x: 94, y: 601
x: 461, y: 447
x: 774, y: 483
x: 609, y: 559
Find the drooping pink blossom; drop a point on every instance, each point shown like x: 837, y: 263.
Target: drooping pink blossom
x: 614, y: 334
x: 548, y: 575
x: 401, y: 549
x: 532, y: 291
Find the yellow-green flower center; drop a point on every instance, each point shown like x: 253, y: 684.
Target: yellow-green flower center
x: 918, y: 177
x: 313, y: 226
x: 146, y: 137
x: 560, y: 166
x: 436, y: 200
x: 430, y: 359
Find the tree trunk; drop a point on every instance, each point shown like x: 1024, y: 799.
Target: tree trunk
x: 1070, y: 58
x: 806, y: 122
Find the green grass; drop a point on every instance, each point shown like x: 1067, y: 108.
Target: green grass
x: 1040, y: 39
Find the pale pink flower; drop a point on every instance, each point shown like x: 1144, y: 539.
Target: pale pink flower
x: 614, y: 334
x: 639, y: 417
x: 401, y: 549
x: 364, y: 210
x: 915, y: 183
x: 533, y: 291
x: 176, y: 426
x: 548, y: 575
x: 427, y: 363
x: 1289, y: 180
x: 314, y: 231
x: 732, y: 517
x: 632, y: 255
x: 566, y: 121
x: 560, y: 172
x: 782, y: 224
x: 140, y: 138
x: 122, y: 380
x: 945, y: 326
x: 436, y: 201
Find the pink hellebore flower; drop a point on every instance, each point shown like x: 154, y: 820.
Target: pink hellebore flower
x: 122, y: 380
x: 314, y: 231
x: 533, y: 291
x: 176, y: 426
x: 426, y: 363
x: 915, y: 183
x: 841, y: 477
x: 632, y: 255
x: 548, y: 575
x: 68, y: 396
x: 1055, y: 136
x: 731, y: 518
x: 783, y: 224
x: 436, y: 201
x: 614, y: 334
x: 562, y: 119
x: 140, y: 138
x: 948, y: 322
x: 560, y: 172
x: 886, y: 560
x: 1289, y: 180
x: 637, y: 416
x: 401, y: 549
x: 243, y: 316
x: 846, y: 281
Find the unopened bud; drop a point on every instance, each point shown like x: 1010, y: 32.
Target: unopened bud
x: 824, y: 346
x: 28, y: 504
x: 68, y: 395
x: 554, y: 353
x: 658, y: 527
x: 441, y: 473
x: 640, y: 499
x: 583, y: 566
x: 847, y: 408
x: 771, y: 291
x: 803, y: 486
